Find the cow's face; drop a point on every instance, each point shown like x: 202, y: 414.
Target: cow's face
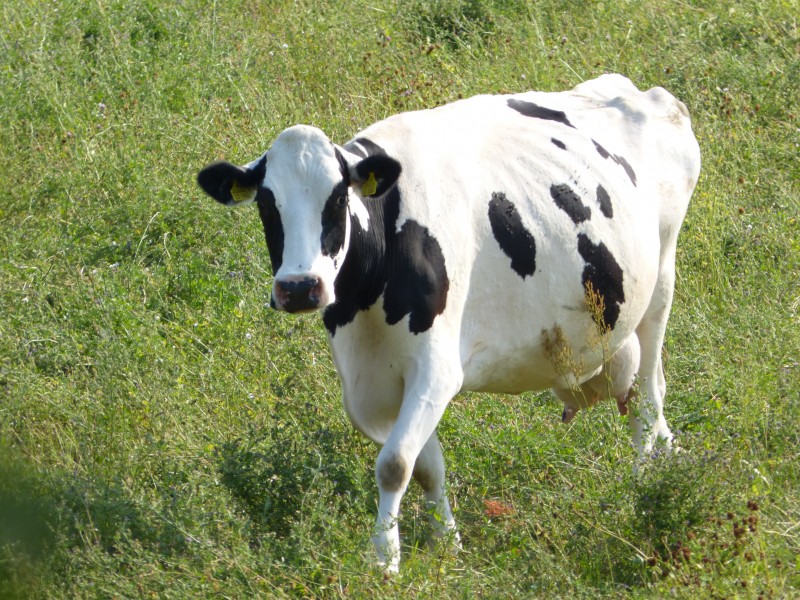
x: 307, y: 191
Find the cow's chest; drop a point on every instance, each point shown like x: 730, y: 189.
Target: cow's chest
x: 371, y: 360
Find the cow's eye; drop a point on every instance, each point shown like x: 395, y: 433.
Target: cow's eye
x: 341, y: 201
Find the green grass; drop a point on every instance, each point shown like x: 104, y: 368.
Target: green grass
x: 163, y: 434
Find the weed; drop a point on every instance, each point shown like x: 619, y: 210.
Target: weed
x: 559, y: 353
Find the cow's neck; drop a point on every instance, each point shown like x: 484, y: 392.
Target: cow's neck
x: 363, y: 275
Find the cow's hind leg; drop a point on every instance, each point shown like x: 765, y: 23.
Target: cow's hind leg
x: 647, y: 422
x: 429, y: 472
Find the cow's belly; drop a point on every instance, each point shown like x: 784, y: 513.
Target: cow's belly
x: 541, y: 334
x: 490, y: 372
x: 532, y: 368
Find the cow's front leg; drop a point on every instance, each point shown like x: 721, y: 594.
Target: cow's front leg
x: 424, y: 401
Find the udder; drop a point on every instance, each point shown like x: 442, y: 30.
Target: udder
x: 615, y: 380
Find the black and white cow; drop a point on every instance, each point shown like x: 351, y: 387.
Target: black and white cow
x: 499, y: 243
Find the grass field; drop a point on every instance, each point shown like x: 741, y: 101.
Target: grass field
x: 163, y: 434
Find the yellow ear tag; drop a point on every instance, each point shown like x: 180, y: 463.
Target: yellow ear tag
x: 241, y: 194
x: 370, y: 186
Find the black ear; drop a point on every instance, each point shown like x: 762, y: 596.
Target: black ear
x: 375, y: 175
x: 232, y: 185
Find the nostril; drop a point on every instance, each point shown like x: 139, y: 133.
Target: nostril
x: 315, y: 292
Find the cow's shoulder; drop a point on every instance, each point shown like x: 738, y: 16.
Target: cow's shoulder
x: 397, y: 258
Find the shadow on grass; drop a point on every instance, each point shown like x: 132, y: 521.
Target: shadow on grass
x: 44, y: 517
x: 295, y: 464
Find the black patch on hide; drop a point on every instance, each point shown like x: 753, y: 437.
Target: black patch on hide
x: 273, y: 227
x: 568, y: 201
x: 604, y: 200
x: 334, y: 219
x: 529, y: 109
x: 406, y: 266
x: 513, y: 238
x: 617, y: 159
x: 604, y: 276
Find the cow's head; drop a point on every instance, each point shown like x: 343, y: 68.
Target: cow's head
x: 307, y: 191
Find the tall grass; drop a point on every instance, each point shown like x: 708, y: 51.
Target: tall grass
x: 163, y: 434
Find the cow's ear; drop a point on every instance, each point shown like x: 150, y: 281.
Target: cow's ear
x: 375, y: 175
x: 232, y: 185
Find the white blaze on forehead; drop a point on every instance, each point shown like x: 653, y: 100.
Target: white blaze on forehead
x: 302, y: 162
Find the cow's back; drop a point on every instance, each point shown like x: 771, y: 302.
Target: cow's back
x: 535, y: 198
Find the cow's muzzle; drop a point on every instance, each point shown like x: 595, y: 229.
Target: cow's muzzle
x: 298, y: 294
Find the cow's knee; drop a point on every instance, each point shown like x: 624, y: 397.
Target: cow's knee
x: 392, y: 472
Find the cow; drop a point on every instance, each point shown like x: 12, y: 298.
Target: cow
x: 500, y: 243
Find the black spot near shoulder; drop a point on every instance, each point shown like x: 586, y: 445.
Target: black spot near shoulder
x: 510, y: 233
x: 602, y: 277
x: 407, y: 267
x: 617, y: 159
x: 418, y: 283
x: 604, y: 200
x: 568, y: 201
x: 529, y: 109
x: 558, y: 143
x: 361, y: 279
